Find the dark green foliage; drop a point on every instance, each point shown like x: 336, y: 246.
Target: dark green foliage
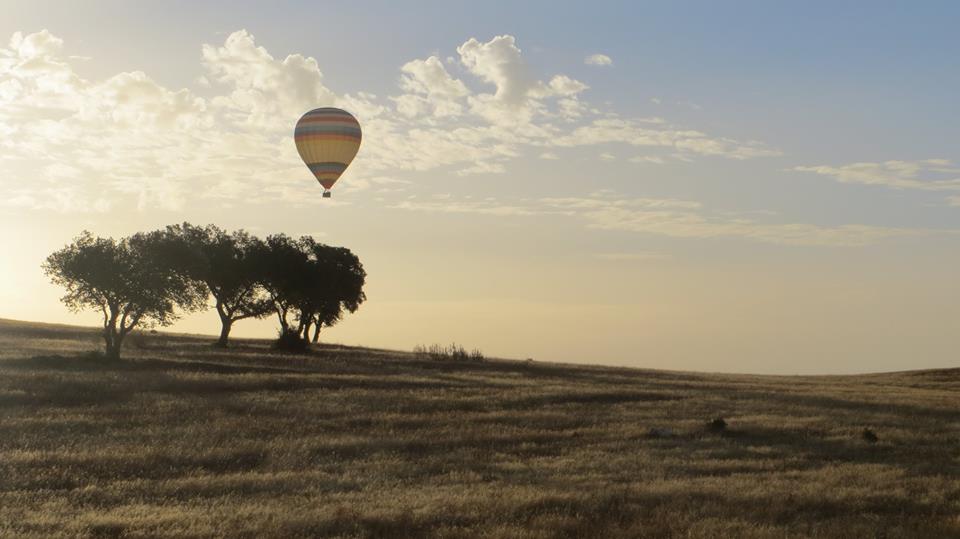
x: 132, y: 282
x: 282, y: 267
x: 140, y: 280
x: 228, y: 266
x: 310, y: 284
x: 336, y: 286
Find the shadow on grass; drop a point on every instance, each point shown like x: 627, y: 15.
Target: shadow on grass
x: 57, y: 472
x: 816, y: 451
x: 862, y: 408
x: 93, y: 363
x: 65, y: 385
x: 600, y: 397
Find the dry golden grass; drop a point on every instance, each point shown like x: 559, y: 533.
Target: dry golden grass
x: 183, y: 439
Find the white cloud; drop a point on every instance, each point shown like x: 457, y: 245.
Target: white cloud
x: 606, y: 199
x: 674, y: 218
x: 430, y: 88
x: 128, y: 138
x: 562, y: 85
x: 480, y: 208
x: 572, y: 108
x: 483, y: 168
x: 598, y: 60
x: 927, y: 175
x: 264, y: 92
x: 647, y: 159
x: 59, y: 198
x: 500, y: 63
x: 652, y: 132
x: 36, y: 45
x: 518, y: 97
x: 230, y: 139
x: 431, y: 77
x: 688, y: 219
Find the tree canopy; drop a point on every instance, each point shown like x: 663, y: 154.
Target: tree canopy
x: 339, y: 278
x: 228, y: 266
x: 130, y: 281
x: 310, y: 284
x: 150, y: 278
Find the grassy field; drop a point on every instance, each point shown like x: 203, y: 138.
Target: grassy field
x: 184, y: 439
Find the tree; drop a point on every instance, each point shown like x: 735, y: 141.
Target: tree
x: 310, y: 284
x: 130, y: 281
x: 282, y: 267
x: 228, y: 265
x: 338, y: 286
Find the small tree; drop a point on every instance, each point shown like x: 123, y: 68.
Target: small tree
x: 338, y: 286
x: 282, y: 267
x: 130, y: 281
x: 310, y: 284
x: 228, y: 265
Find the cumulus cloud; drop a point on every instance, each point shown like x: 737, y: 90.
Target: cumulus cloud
x: 430, y: 88
x: 500, y: 63
x: 264, y: 91
x: 518, y: 95
x: 127, y: 139
x: 598, y: 60
x: 563, y: 85
x: 133, y: 142
x: 36, y: 45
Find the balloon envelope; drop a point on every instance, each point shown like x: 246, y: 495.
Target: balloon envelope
x: 327, y: 140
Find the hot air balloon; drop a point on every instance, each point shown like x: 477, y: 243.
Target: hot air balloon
x: 327, y: 141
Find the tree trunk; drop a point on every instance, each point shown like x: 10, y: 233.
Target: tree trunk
x: 114, y: 340
x: 306, y: 330
x: 107, y: 341
x: 316, y: 332
x: 111, y: 337
x: 303, y: 328
x: 113, y: 351
x: 225, y: 325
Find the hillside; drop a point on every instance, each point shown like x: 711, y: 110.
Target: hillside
x: 184, y: 439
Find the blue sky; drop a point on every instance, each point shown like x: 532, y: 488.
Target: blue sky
x: 756, y: 186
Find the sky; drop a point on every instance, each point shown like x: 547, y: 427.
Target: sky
x: 732, y: 187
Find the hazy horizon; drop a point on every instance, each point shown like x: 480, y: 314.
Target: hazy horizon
x: 772, y: 189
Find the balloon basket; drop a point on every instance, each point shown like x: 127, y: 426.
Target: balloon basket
x: 326, y: 194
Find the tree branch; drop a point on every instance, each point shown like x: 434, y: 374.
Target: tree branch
x: 134, y: 320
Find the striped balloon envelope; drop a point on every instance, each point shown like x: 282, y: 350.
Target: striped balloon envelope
x: 327, y: 140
